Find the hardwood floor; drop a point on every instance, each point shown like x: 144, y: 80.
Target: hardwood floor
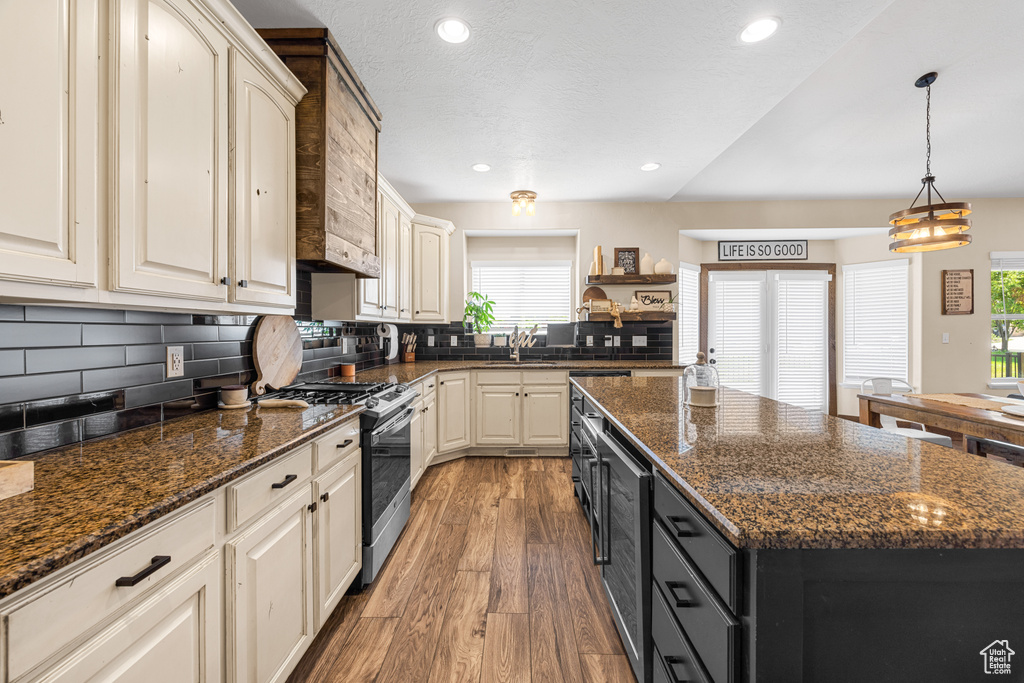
x: 491, y: 581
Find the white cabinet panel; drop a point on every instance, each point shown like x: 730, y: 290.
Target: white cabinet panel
x: 429, y: 428
x: 417, y: 456
x: 545, y: 415
x: 404, y: 268
x: 170, y: 113
x: 172, y: 635
x: 48, y: 141
x: 389, y: 261
x: 430, y: 274
x: 263, y: 226
x: 453, y: 412
x: 339, y: 541
x: 497, y: 415
x: 270, y: 591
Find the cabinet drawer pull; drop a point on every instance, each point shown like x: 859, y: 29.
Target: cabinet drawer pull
x: 672, y: 587
x: 155, y: 565
x: 671, y: 662
x: 287, y: 480
x: 325, y: 497
x: 344, y: 443
x: 678, y: 530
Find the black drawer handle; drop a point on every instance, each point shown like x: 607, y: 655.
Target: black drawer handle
x: 325, y: 497
x: 671, y: 662
x: 678, y: 530
x: 344, y: 443
x: 672, y: 587
x: 287, y: 480
x: 576, y: 424
x: 155, y: 565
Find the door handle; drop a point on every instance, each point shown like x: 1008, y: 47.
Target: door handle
x: 155, y: 565
x: 671, y: 662
x: 674, y: 586
x: 607, y: 528
x: 680, y: 532
x: 287, y: 480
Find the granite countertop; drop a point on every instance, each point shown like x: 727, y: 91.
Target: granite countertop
x: 413, y: 372
x: 91, y: 494
x: 771, y: 475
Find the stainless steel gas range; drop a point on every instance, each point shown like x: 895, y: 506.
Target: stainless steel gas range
x: 385, y: 439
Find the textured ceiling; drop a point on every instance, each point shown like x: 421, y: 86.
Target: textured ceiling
x: 569, y: 98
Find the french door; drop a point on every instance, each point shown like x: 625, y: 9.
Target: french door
x: 768, y: 333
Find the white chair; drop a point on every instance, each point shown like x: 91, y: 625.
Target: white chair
x: 885, y: 386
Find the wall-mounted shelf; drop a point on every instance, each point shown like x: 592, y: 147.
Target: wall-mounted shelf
x: 634, y: 317
x: 666, y: 279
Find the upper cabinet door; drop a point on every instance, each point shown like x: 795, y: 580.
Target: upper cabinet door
x: 171, y: 168
x: 390, y: 276
x: 48, y: 134
x: 404, y: 268
x: 263, y: 235
x: 430, y: 273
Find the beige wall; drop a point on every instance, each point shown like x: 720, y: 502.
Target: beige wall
x: 961, y: 365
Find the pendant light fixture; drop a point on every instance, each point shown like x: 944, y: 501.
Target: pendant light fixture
x: 930, y: 227
x: 524, y: 200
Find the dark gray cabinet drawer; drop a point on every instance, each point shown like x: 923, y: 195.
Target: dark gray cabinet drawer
x: 673, y: 660
x: 707, y: 623
x: 715, y: 557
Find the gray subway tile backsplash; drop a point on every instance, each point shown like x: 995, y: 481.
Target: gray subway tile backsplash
x: 12, y: 362
x: 81, y: 358
x: 101, y: 335
x: 24, y: 335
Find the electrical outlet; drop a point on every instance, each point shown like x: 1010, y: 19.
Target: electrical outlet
x: 945, y: 337
x: 640, y: 340
x: 607, y: 340
x: 455, y: 340
x: 590, y: 340
x: 175, y: 361
x: 617, y: 340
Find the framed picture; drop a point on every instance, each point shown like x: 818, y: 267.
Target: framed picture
x: 652, y: 300
x: 600, y: 305
x: 958, y: 292
x: 628, y: 259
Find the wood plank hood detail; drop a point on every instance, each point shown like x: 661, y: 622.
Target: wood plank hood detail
x: 337, y: 129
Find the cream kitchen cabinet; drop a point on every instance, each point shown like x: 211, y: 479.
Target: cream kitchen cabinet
x: 417, y: 458
x: 404, y: 268
x: 545, y: 414
x: 381, y: 298
x: 270, y: 592
x: 430, y: 269
x: 429, y: 430
x: 49, y: 191
x: 497, y: 415
x: 336, y: 527
x: 263, y: 226
x: 454, y: 420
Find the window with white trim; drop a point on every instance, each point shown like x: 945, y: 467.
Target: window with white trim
x: 1007, y: 347
x: 525, y: 293
x: 876, y: 320
x: 688, y: 312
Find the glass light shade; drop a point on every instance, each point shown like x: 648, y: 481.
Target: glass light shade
x: 516, y: 209
x: 531, y: 208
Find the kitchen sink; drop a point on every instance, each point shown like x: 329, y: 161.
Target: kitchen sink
x: 521, y: 364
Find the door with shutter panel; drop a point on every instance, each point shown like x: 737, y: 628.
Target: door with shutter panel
x: 737, y: 329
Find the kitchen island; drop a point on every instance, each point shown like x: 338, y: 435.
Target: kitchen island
x: 789, y: 545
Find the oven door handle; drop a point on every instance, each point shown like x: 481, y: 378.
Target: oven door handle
x: 395, y: 425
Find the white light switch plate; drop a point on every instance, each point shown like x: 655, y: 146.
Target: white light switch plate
x: 640, y: 340
x: 430, y: 340
x: 455, y: 340
x: 175, y: 361
x: 945, y: 337
x: 590, y: 340
x: 617, y: 341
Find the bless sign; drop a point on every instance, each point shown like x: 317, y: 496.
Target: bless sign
x: 763, y: 250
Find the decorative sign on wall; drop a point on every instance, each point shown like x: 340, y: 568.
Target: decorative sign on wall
x: 958, y: 292
x: 652, y: 300
x: 763, y: 250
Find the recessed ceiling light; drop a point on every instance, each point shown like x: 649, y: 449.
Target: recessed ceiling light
x: 650, y: 167
x: 452, y: 30
x: 759, y: 30
x: 481, y: 168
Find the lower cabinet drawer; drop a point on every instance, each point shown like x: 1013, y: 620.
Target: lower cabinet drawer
x: 270, y: 484
x: 673, y: 658
x: 48, y: 620
x: 716, y: 559
x: 336, y: 446
x: 704, y: 619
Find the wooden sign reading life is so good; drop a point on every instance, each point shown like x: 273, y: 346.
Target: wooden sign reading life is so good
x: 958, y: 292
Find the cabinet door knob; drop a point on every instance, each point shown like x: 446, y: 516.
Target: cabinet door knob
x: 326, y: 497
x: 243, y: 283
x: 225, y: 280
x: 312, y: 506
x: 417, y: 312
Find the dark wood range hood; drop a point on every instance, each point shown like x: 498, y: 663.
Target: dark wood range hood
x: 336, y: 131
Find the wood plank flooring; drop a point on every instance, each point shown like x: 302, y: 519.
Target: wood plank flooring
x: 490, y: 582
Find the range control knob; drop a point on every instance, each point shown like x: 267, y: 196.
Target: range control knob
x: 372, y: 402
x: 402, y: 388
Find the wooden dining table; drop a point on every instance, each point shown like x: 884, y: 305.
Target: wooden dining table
x: 967, y: 420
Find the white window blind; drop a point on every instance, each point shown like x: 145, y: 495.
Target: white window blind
x: 689, y: 312
x: 736, y: 338
x: 801, y: 338
x: 1007, y: 348
x: 525, y: 293
x: 876, y: 320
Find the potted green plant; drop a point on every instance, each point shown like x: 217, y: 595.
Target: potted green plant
x: 479, y: 316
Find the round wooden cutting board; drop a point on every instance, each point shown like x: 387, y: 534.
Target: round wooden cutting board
x: 277, y: 352
x: 593, y: 293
